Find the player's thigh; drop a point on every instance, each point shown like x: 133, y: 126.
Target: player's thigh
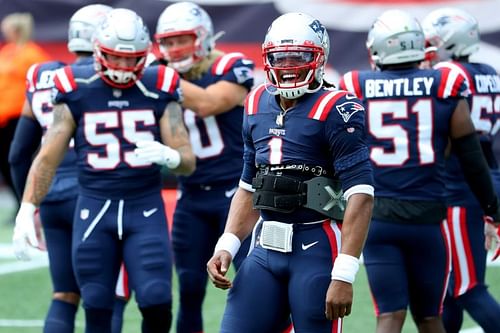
x: 386, y: 267
x: 428, y: 269
x: 310, y: 276
x: 147, y: 252
x: 258, y: 291
x: 57, y: 221
x: 96, y: 251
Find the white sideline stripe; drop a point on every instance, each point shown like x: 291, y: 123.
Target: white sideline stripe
x: 21, y: 266
x: 21, y: 323
x: 27, y: 323
x: 472, y: 330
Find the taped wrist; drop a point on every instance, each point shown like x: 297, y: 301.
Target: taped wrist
x: 476, y: 171
x: 345, y: 268
x: 228, y: 242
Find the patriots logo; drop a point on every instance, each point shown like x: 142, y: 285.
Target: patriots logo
x: 347, y: 109
x: 318, y: 28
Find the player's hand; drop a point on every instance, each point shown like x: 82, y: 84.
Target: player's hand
x: 217, y: 268
x: 156, y: 152
x: 24, y: 231
x: 338, y: 300
x: 491, y: 236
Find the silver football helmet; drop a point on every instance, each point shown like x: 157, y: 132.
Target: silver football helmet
x: 185, y: 18
x: 295, y: 51
x: 395, y: 37
x: 450, y: 33
x: 82, y: 26
x: 122, y: 35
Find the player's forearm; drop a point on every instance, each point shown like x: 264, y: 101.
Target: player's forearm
x: 188, y: 161
x: 356, y: 222
x: 39, y: 180
x: 241, y: 217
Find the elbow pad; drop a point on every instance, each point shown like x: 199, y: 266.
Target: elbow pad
x: 476, y: 171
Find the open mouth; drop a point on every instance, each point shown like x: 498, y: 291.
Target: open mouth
x: 289, y: 77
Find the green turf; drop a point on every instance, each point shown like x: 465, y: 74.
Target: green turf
x: 25, y: 295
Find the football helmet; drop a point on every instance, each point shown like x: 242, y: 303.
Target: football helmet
x: 395, y: 38
x: 185, y: 18
x: 82, y: 26
x: 123, y: 34
x: 450, y: 33
x: 295, y: 51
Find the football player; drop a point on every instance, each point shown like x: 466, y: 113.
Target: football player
x: 412, y: 114
x: 452, y: 36
x: 56, y: 210
x: 299, y: 136
x: 186, y: 38
x: 113, y: 109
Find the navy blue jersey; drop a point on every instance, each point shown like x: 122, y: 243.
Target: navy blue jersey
x: 40, y: 82
x: 408, y: 120
x: 325, y: 129
x: 216, y: 140
x: 484, y: 101
x: 109, y: 122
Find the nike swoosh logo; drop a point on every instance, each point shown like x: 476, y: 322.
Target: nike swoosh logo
x: 350, y: 96
x: 230, y: 193
x: 305, y: 247
x: 148, y: 213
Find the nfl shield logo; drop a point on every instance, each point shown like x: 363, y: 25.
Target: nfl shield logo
x: 84, y: 214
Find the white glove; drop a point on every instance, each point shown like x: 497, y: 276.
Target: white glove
x: 24, y: 231
x: 155, y: 152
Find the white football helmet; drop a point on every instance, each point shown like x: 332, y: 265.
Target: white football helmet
x: 185, y: 18
x: 123, y: 34
x: 395, y: 37
x: 450, y: 33
x: 295, y: 43
x: 82, y: 26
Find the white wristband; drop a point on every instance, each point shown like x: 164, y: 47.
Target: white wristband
x: 172, y: 158
x: 345, y: 268
x: 228, y: 242
x: 27, y: 208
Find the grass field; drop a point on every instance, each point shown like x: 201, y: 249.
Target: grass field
x: 25, y: 295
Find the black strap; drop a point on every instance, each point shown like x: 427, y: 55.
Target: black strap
x: 312, y: 170
x: 285, y: 194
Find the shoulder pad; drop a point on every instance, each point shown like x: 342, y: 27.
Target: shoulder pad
x: 224, y: 63
x: 252, y: 99
x: 64, y: 80
x: 325, y: 103
x: 453, y: 81
x: 350, y: 82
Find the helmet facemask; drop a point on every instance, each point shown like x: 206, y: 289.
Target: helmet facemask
x: 119, y: 73
x: 292, y: 69
x: 182, y: 49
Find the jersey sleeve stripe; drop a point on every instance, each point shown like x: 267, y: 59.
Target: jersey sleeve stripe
x: 31, y: 77
x: 351, y: 83
x: 225, y: 62
x: 167, y: 79
x: 64, y: 80
x: 252, y: 100
x: 449, y: 83
x: 459, y: 68
x: 324, y: 104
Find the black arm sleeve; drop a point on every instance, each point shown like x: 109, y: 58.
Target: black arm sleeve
x: 25, y: 143
x: 476, y: 171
